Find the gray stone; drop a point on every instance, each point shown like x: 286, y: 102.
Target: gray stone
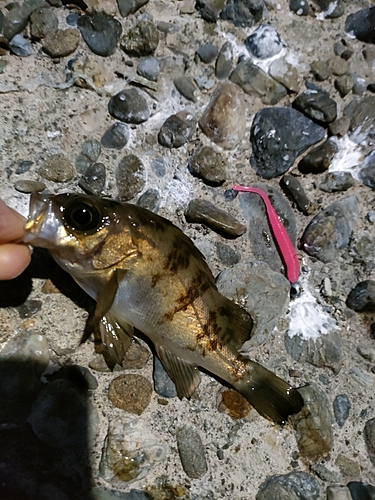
x: 191, y: 451
x: 116, y: 136
x: 367, y: 171
x: 204, y: 212
x: 285, y: 73
x: 130, y: 177
x: 127, y: 7
x: 207, y: 53
x: 42, y: 21
x: 361, y: 113
x: 100, y: 32
x: 177, y: 130
x: 255, y: 82
x: 57, y: 168
x: 362, y: 249
x: 28, y: 187
x: 186, y: 87
x: 318, y: 159
x: 337, y: 181
x: 163, y: 384
x: 208, y: 165
x: 338, y: 493
x: 20, y: 46
x: 361, y: 25
x: 317, y: 105
x: 243, y: 13
x: 264, y: 42
x: 227, y: 255
x: 92, y: 149
x: 344, y: 85
x: 24, y: 166
x: 29, y: 308
x: 82, y: 163
x: 292, y: 486
x: 129, y: 106
x: 61, y: 43
x: 324, y: 474
x: 362, y: 297
x: 321, y: 70
x: 278, y: 137
x: 158, y: 166
x: 149, y: 67
x: 338, y: 66
x: 140, y: 40
x: 341, y: 408
x: 294, y: 190
x: 330, y: 230
x: 93, y: 179
x: 224, y: 61
x: 150, y: 199
x: 263, y: 292
x: 17, y: 17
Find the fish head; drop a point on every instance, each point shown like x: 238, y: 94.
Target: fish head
x: 82, y: 232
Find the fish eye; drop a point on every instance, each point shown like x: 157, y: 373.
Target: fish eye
x: 82, y: 216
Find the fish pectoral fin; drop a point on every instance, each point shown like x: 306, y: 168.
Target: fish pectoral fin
x: 115, y: 337
x: 185, y: 376
x: 236, y: 324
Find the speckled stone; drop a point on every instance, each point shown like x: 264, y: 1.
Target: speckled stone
x: 42, y: 21
x: 285, y: 73
x: 348, y: 467
x: 177, y: 130
x: 61, y: 43
x: 208, y: 165
x: 264, y: 42
x: 93, y: 179
x: 234, y: 404
x: 344, y: 84
x: 131, y: 393
x: 100, y: 32
x: 159, y: 167
x: 191, y: 451
x: 243, y: 13
x: 130, y: 177
x: 129, y: 106
x: 292, y: 486
x: 116, y: 136
x: 338, y: 66
x: 57, y: 168
x: 320, y: 70
x: 293, y: 188
x: 227, y: 255
x: 24, y: 166
x: 341, y: 408
x: 140, y: 40
x: 92, y: 149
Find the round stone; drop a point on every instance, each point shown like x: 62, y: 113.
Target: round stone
x: 116, y: 137
x: 101, y: 33
x: 234, y: 404
x: 57, y: 168
x: 29, y: 187
x: 149, y: 67
x: 20, y: 46
x: 264, y: 42
x: 177, y: 130
x: 93, y: 180
x: 61, y: 43
x: 209, y: 166
x: 130, y: 177
x: 131, y: 393
x: 129, y: 106
x: 43, y: 21
x: 141, y: 40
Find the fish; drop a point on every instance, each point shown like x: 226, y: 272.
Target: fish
x: 146, y: 275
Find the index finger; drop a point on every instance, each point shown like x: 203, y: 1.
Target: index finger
x: 11, y: 224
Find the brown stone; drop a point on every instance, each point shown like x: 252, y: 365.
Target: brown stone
x: 131, y: 393
x: 234, y: 404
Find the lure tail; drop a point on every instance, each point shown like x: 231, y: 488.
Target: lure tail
x: 271, y: 396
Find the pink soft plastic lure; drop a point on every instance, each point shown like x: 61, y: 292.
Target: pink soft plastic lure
x: 285, y: 246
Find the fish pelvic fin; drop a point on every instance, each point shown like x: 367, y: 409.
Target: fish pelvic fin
x: 270, y: 395
x: 185, y: 376
x: 115, y: 338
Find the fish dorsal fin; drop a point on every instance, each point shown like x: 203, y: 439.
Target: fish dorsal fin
x: 116, y: 338
x: 185, y: 376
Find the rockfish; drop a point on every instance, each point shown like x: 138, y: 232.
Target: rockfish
x: 145, y: 273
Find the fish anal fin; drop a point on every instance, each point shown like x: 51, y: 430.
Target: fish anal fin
x: 116, y: 338
x: 185, y: 376
x: 235, y: 325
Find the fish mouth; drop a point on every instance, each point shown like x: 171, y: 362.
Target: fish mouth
x: 42, y: 225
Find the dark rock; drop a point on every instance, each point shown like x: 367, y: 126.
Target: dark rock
x: 300, y: 7
x: 278, y: 137
x: 342, y: 50
x: 72, y: 19
x: 191, y: 451
x: 337, y: 181
x: 361, y: 113
x: 158, y: 166
x: 361, y: 491
x: 208, y: 13
x: 255, y: 82
x: 29, y: 187
x: 177, y: 130
x: 341, y: 409
x: 331, y: 8
x: 61, y: 43
x: 292, y: 486
x: 163, y: 384
x: 140, y: 40
x: 264, y: 42
x: 224, y: 119
x: 93, y: 180
x: 186, y: 87
x: 340, y: 126
x: 127, y: 7
x: 207, y: 53
x: 24, y: 166
x: 130, y: 177
x: 149, y: 67
x: 369, y: 435
x: 116, y: 136
x: 82, y: 163
x: 57, y: 168
x: 43, y: 21
x: 150, y: 199
x: 204, y: 212
x: 224, y: 61
x: 100, y: 32
x: 317, y: 105
x: 330, y: 230
x: 362, y: 297
x: 228, y: 256
x: 361, y: 25
x: 15, y: 21
x: 129, y: 106
x: 208, y: 165
x: 243, y: 13
x: 29, y: 308
x: 366, y: 172
x: 130, y: 392
x: 20, y: 46
x: 294, y: 190
x: 318, y: 159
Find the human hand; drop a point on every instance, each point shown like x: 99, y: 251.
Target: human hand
x: 14, y: 257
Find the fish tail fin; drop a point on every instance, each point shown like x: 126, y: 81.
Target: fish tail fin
x: 270, y: 395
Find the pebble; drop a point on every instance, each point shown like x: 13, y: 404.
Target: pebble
x: 24, y: 166
x: 278, y: 136
x: 72, y: 19
x: 299, y: 7
x: 92, y: 149
x: 324, y: 474
x: 16, y: 19
x: 292, y: 486
x: 28, y: 187
x: 20, y: 46
x: 29, y: 308
x: 255, y: 82
x: 177, y: 130
x: 361, y: 491
x: 163, y: 384
x: 341, y: 49
x: 235, y: 405
x: 330, y: 230
x: 294, y: 190
x: 127, y: 7
x: 261, y: 291
x: 149, y: 67
x: 338, y: 66
x: 369, y: 436
x: 338, y: 493
x: 243, y: 13
x: 317, y: 105
x: 158, y: 166
x: 150, y: 200
x: 93, y: 179
x: 132, y: 393
x: 224, y: 119
x: 116, y: 136
x: 207, y: 53
x: 370, y: 216
x: 362, y: 297
x: 367, y: 171
x: 318, y: 159
x: 89, y: 67
x: 227, y: 255
x: 264, y: 42
x: 43, y: 21
x: 204, y: 212
x: 361, y: 25
x: 224, y: 61
x: 344, y: 84
x: 341, y: 408
x: 186, y: 87
x: 340, y: 126
x: 129, y: 106
x: 191, y: 451
x: 130, y: 451
x: 82, y: 163
x: 101, y: 33
x: 61, y: 43
x: 208, y: 165
x: 57, y: 168
x: 321, y: 70
x: 130, y: 177
x: 336, y: 181
x: 361, y: 113
x: 348, y: 467
x: 140, y: 40
x: 313, y: 424
x: 285, y: 73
